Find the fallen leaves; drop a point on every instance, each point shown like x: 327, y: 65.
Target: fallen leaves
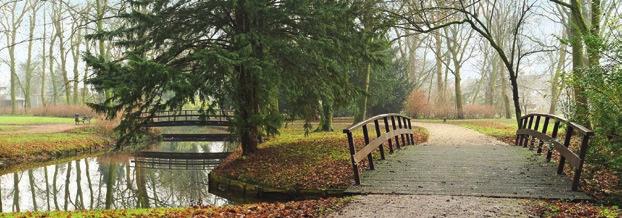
x: 304, y: 208
x: 294, y: 161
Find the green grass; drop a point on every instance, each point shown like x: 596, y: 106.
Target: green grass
x: 30, y: 120
x: 4, y: 128
x: 24, y: 147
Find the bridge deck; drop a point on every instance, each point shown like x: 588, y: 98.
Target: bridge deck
x: 458, y: 161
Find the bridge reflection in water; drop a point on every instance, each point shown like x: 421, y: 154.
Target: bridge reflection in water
x: 118, y: 180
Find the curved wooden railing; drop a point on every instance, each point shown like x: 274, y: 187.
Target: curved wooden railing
x: 531, y: 133
x: 186, y: 117
x: 397, y: 129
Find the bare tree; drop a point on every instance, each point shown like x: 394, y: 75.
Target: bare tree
x: 481, y: 15
x: 12, y: 20
x: 458, y: 39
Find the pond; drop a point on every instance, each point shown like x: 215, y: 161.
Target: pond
x: 114, y: 181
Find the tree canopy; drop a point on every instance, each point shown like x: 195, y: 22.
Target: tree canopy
x: 231, y: 54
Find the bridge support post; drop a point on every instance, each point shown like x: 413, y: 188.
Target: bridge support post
x: 576, y: 181
x: 381, y: 147
x: 357, y: 178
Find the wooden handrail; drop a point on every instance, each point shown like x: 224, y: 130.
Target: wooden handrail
x: 401, y: 134
x: 531, y: 131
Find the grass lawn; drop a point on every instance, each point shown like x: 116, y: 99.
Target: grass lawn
x: 29, y: 120
x: 25, y: 146
x: 305, y: 208
x: 320, y: 160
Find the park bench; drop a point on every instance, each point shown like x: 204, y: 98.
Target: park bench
x: 81, y: 119
x: 531, y: 133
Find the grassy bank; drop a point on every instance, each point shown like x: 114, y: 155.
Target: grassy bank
x: 320, y: 160
x: 30, y: 138
x: 32, y: 120
x: 306, y: 208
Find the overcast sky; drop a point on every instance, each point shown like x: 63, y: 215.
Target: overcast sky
x: 538, y: 27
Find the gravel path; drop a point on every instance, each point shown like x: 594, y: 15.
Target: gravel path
x: 431, y: 206
x: 42, y: 128
x: 457, y: 173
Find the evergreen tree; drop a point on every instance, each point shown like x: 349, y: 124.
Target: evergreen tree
x: 238, y: 54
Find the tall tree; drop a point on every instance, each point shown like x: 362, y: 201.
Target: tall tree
x: 27, y: 86
x: 60, y: 35
x: 230, y: 51
x: 458, y: 40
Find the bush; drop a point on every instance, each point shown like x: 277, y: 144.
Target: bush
x: 417, y: 106
x: 63, y: 111
x: 476, y: 111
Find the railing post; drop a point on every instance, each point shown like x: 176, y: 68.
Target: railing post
x: 533, y: 139
x: 578, y: 169
x: 549, y: 152
x: 412, y: 136
x: 519, y: 137
x: 562, y: 159
x: 399, y: 123
x: 544, y: 129
x: 381, y: 147
x: 387, y: 130
x: 527, y: 138
x: 357, y: 178
x: 397, y: 138
x: 369, y: 156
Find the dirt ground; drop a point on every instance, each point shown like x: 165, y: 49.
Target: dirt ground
x: 41, y: 128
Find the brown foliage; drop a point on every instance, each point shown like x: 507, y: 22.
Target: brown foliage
x: 417, y: 106
x: 63, y: 111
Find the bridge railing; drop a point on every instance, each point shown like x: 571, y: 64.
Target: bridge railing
x: 186, y: 115
x: 397, y: 130
x: 533, y: 132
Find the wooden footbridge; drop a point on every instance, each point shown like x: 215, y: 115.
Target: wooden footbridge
x: 189, y: 118
x: 458, y: 161
x: 186, y: 118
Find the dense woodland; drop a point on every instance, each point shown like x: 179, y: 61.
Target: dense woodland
x: 274, y: 61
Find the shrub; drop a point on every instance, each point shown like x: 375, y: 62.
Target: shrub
x: 475, y: 111
x: 63, y: 111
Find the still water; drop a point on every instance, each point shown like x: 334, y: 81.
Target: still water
x: 113, y: 181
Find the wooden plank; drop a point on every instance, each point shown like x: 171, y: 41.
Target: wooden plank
x: 572, y: 158
x: 361, y: 154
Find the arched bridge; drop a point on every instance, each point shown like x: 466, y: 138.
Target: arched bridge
x: 460, y: 161
x: 186, y: 118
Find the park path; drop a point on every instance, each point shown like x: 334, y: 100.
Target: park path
x: 41, y: 128
x: 460, y: 164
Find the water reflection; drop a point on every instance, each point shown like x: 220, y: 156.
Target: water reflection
x: 111, y: 181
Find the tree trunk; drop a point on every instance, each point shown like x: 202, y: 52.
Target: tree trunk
x: 13, y: 75
x: 458, y: 90
x: 506, y: 99
x: 576, y: 41
x: 28, y: 77
x: 326, y: 116
x: 440, y: 99
x: 556, y: 87
x: 52, y: 77
x: 75, y: 51
x: 43, y: 64
x: 362, y: 112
